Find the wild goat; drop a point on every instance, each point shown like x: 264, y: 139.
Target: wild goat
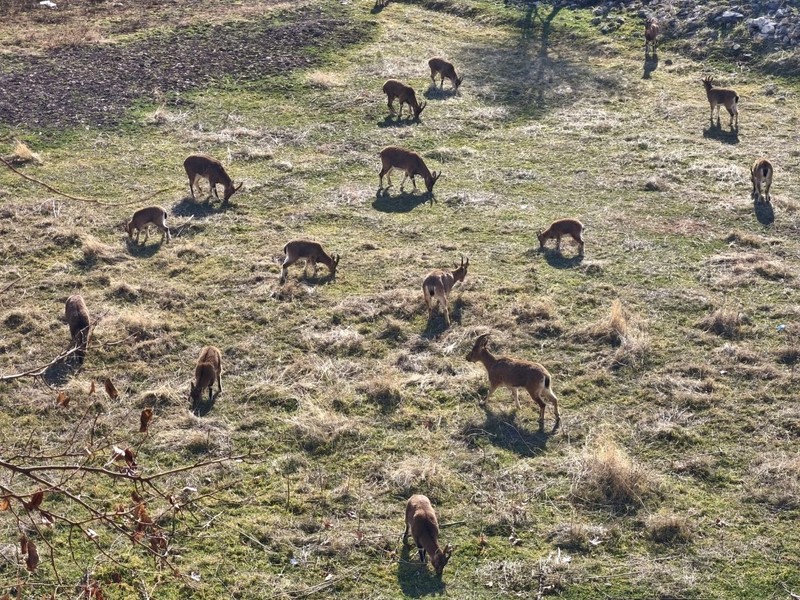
x: 312, y: 252
x: 722, y: 96
x: 761, y: 174
x: 410, y: 163
x: 571, y: 227
x: 437, y: 286
x: 444, y: 69
x: 394, y: 89
x: 143, y: 218
x: 202, y: 165
x: 77, y: 317
x: 651, y: 31
x: 424, y: 527
x: 513, y: 374
x: 207, y: 370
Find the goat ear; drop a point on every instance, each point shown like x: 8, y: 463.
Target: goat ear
x: 448, y: 550
x: 236, y: 189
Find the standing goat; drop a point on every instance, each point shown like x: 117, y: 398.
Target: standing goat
x: 143, y: 218
x: 651, y: 31
x: 206, y: 372
x: 394, y: 89
x: 445, y: 70
x: 410, y: 163
x: 424, y: 527
x: 514, y: 374
x: 722, y: 96
x: 77, y: 317
x: 202, y: 165
x: 312, y: 252
x: 761, y: 174
x: 437, y: 286
x: 571, y: 227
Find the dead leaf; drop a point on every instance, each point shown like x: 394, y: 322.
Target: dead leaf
x: 130, y: 457
x: 4, y: 504
x: 136, y: 497
x: 23, y: 545
x: 92, y: 389
x: 62, y: 399
x: 111, y: 390
x: 33, y: 557
x: 144, y: 420
x: 36, y: 501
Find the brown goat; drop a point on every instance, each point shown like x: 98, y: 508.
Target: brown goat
x: 651, y: 31
x: 202, y: 165
x: 77, y: 317
x: 761, y: 174
x: 571, y: 227
x: 445, y: 70
x: 410, y: 163
x: 143, y: 218
x: 312, y: 252
x: 437, y: 286
x: 424, y: 527
x: 394, y: 89
x: 721, y: 96
x: 207, y: 370
x: 514, y: 374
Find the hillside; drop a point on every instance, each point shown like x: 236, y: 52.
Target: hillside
x: 672, y: 343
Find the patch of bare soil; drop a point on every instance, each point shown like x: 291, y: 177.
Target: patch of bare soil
x: 96, y: 84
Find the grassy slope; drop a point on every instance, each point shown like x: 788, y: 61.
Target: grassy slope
x: 357, y: 403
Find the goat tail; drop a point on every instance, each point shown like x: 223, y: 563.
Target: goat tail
x: 547, y: 381
x: 737, y: 99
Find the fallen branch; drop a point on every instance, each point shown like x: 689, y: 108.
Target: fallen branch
x: 10, y: 285
x: 77, y: 198
x: 38, y: 371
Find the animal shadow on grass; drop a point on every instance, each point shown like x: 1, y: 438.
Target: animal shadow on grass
x: 189, y: 207
x: 203, y: 406
x: 59, y: 373
x: 503, y: 431
x: 715, y: 132
x: 650, y: 64
x: 764, y: 212
x: 397, y: 121
x: 143, y: 250
x: 437, y: 324
x: 434, y: 92
x: 557, y: 260
x: 402, y: 202
x: 414, y: 577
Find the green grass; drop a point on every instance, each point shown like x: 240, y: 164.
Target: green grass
x: 349, y: 401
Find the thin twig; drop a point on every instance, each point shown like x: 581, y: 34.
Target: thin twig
x: 36, y: 372
x: 9, y: 286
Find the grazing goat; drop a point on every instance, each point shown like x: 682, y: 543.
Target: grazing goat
x: 394, y: 89
x: 202, y: 165
x: 312, y: 252
x: 651, y: 31
x: 77, y: 317
x: 761, y: 174
x: 571, y: 227
x: 143, y: 218
x: 207, y: 371
x: 437, y: 286
x: 424, y: 527
x: 513, y: 374
x: 722, y: 96
x: 444, y: 69
x: 410, y: 163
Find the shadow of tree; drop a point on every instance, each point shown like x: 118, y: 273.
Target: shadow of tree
x: 414, y: 577
x: 525, y: 77
x: 764, y: 212
x: 403, y: 202
x: 502, y: 430
x: 650, y: 64
x: 715, y: 132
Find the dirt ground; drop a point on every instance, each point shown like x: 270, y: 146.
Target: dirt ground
x: 94, y: 84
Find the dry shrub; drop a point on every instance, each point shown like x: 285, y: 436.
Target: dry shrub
x: 611, y: 330
x: 577, y: 536
x: 607, y: 475
x: 724, y: 322
x: 670, y: 529
x: 22, y: 155
x: 776, y: 481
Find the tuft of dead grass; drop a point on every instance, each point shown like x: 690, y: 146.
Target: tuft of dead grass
x: 577, y: 536
x: 323, y: 80
x: 606, y: 475
x: 22, y: 155
x: 725, y: 322
x: 670, y: 529
x: 775, y: 481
